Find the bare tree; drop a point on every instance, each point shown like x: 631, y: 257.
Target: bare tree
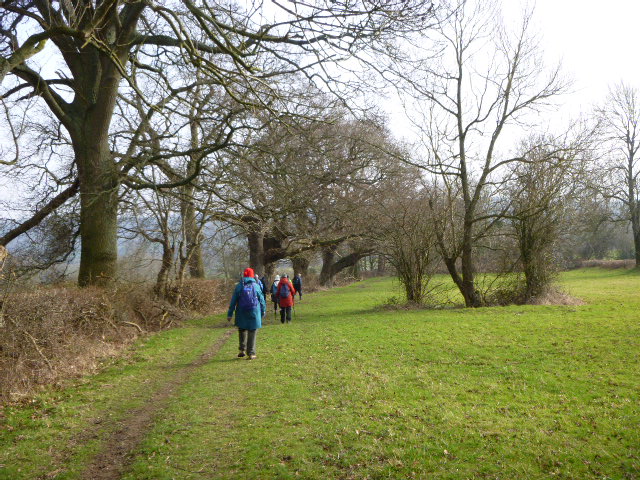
x: 543, y: 190
x: 157, y: 216
x: 406, y: 236
x: 299, y: 183
x: 486, y: 80
x: 34, y: 172
x: 99, y: 42
x: 620, y: 117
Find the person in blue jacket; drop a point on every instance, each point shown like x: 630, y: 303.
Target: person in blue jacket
x: 260, y: 283
x: 248, y: 303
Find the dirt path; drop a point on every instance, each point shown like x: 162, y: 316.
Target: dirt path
x: 118, y: 448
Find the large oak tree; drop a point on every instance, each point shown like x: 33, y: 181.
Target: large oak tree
x: 97, y: 42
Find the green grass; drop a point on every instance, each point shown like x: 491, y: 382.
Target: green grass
x: 59, y: 431
x: 349, y: 390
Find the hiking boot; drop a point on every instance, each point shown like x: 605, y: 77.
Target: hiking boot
x: 241, y: 354
x: 252, y: 357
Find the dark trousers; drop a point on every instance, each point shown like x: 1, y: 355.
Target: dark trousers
x: 285, y: 312
x: 247, y: 341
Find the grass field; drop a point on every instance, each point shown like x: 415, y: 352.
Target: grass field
x: 353, y: 391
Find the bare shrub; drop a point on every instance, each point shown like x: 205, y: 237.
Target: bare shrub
x: 505, y: 290
x: 513, y: 290
x: 202, y: 296
x: 310, y: 283
x: 50, y: 334
x: 136, y: 306
x: 555, y: 296
x: 611, y: 264
x: 542, y: 191
x: 408, y: 243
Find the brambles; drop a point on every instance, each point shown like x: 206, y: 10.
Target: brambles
x: 50, y: 334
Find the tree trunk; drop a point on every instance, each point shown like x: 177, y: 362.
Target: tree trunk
x: 256, y: 251
x: 528, y: 250
x: 382, y: 265
x: 98, y: 79
x: 355, y: 269
x: 326, y: 273
x: 635, y: 228
x: 450, y: 263
x: 467, y: 286
x: 98, y: 207
x: 468, y: 290
x: 269, y: 268
x: 412, y: 287
x: 196, y: 262
x: 330, y: 268
x: 636, y: 243
x: 300, y: 265
x: 162, y: 280
x: 191, y: 233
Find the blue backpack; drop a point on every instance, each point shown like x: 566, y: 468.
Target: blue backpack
x: 284, y: 290
x: 248, y: 299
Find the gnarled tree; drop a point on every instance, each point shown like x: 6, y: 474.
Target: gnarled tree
x: 99, y: 41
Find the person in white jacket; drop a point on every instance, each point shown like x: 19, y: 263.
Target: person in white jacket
x: 274, y: 293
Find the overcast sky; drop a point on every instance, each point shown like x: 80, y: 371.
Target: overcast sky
x: 597, y: 42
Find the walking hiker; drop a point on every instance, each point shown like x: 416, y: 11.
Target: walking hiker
x: 260, y: 284
x: 248, y: 303
x: 285, y: 295
x: 263, y: 280
x: 274, y: 293
x: 297, y: 284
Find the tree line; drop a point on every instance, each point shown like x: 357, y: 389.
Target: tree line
x: 170, y: 122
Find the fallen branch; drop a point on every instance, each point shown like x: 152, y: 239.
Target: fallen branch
x: 134, y: 325
x: 164, y: 316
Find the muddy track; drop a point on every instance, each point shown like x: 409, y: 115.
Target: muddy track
x: 120, y: 445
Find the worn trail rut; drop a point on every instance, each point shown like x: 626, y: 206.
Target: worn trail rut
x: 119, y: 447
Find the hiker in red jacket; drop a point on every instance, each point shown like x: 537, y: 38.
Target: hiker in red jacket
x: 285, y: 294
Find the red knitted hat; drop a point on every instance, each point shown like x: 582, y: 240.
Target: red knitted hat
x: 248, y: 272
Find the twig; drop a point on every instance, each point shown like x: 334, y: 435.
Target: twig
x: 113, y: 325
x: 144, y: 319
x: 35, y: 344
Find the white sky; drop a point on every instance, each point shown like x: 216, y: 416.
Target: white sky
x: 595, y: 40
x: 597, y: 44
